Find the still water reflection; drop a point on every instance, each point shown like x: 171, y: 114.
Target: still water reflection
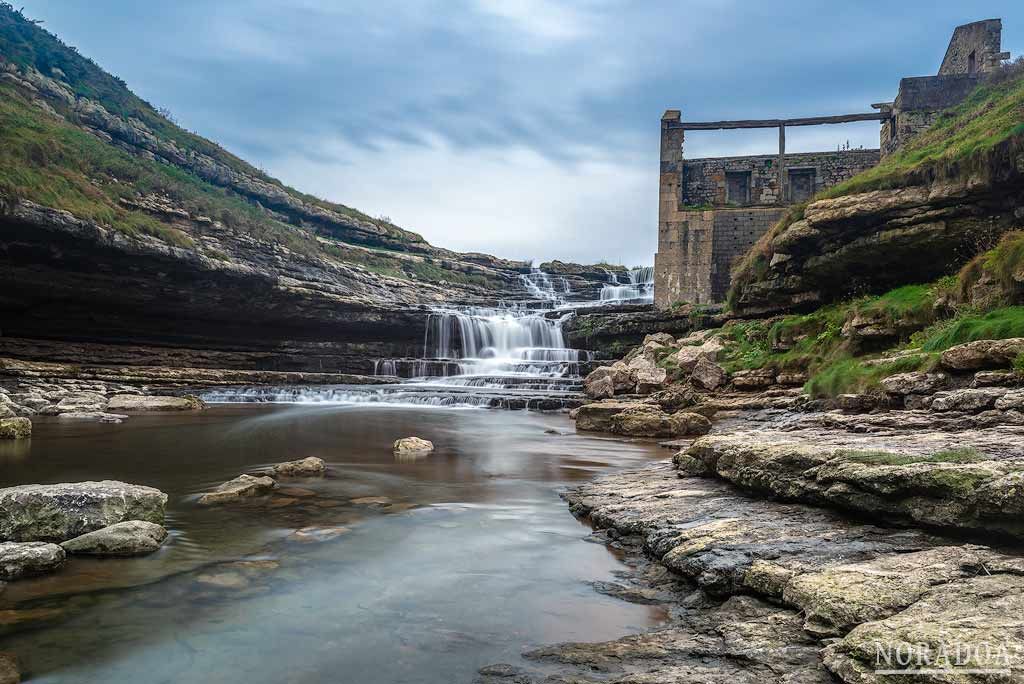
x: 415, y: 571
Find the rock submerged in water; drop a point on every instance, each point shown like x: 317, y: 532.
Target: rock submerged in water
x: 303, y: 467
x: 25, y: 559
x: 10, y: 670
x: 129, y: 538
x: 410, y: 445
x: 242, y: 487
x: 139, y: 402
x: 635, y: 419
x: 15, y: 428
x: 59, y: 512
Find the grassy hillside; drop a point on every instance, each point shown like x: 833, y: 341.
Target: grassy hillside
x: 48, y: 159
x: 25, y: 44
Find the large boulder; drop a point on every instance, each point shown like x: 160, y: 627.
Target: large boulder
x: 598, y: 416
x: 650, y: 379
x: 607, y: 381
x: 242, y: 487
x: 25, y: 559
x: 688, y: 356
x: 15, y: 428
x: 59, y: 512
x: 708, y: 374
x: 647, y: 420
x: 967, y: 400
x: 304, y: 467
x: 129, y: 538
x: 10, y: 670
x: 139, y: 402
x: 983, y: 354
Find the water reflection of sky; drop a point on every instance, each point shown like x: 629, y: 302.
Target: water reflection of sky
x: 487, y: 563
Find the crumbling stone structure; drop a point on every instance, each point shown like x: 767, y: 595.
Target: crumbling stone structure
x: 974, y: 50
x: 712, y: 211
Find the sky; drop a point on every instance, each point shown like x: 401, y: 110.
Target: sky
x: 528, y: 129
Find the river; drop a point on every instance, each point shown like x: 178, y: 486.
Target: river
x: 419, y: 571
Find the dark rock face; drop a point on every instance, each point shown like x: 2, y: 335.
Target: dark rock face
x: 614, y: 330
x: 873, y: 241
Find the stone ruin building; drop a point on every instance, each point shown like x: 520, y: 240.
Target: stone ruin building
x: 711, y: 211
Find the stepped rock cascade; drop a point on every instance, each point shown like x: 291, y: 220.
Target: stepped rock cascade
x: 639, y: 289
x: 512, y: 355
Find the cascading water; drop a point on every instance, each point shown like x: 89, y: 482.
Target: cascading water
x: 511, y: 356
x: 639, y: 289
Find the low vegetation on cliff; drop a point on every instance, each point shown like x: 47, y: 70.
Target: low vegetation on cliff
x: 976, y: 138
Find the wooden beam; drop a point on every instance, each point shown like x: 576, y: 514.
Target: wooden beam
x: 774, y: 123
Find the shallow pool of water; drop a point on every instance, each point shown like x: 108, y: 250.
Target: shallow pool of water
x: 418, y: 571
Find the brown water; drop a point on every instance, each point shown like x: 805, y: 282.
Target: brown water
x: 464, y: 558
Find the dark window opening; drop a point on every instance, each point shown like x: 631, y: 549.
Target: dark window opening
x: 801, y: 184
x: 972, y: 63
x: 737, y: 187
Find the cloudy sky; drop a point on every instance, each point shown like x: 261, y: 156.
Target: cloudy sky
x: 523, y: 128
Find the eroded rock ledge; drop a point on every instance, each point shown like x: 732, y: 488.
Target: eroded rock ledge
x: 785, y: 592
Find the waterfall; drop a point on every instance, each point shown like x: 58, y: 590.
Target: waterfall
x: 639, y: 290
x: 541, y: 285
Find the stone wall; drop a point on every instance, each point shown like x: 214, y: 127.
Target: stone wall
x: 974, y: 47
x: 920, y: 101
x: 704, y: 180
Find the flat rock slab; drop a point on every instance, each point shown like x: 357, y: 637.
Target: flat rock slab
x: 904, y: 480
x: 129, y: 538
x: 59, y: 512
x: 25, y: 559
x: 138, y: 402
x: 958, y: 631
x: 727, y: 542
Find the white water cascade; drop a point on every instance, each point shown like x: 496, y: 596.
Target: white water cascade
x: 513, y: 355
x: 639, y: 289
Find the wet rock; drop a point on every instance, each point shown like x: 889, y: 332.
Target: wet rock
x: 371, y: 501
x: 224, y: 580
x: 408, y: 445
x: 708, y: 375
x: 982, y: 617
x: 242, y: 487
x: 726, y: 542
x: 305, y: 467
x: 25, y: 559
x: 597, y: 416
x: 10, y: 670
x: 317, y: 534
x: 982, y: 354
x: 138, y: 402
x: 129, y: 538
x: 296, y: 492
x: 100, y: 417
x: 607, y: 381
x: 675, y: 397
x: 64, y: 511
x: 743, y: 640
x: 502, y: 673
x: 15, y: 428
